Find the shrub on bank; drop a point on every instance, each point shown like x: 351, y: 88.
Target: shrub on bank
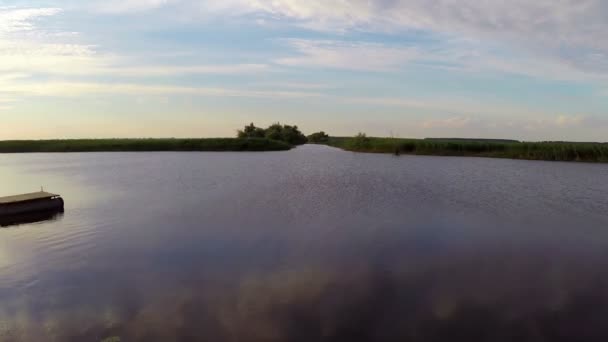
x: 285, y: 133
x: 318, y: 138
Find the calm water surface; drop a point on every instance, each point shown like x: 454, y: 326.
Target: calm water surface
x: 314, y: 244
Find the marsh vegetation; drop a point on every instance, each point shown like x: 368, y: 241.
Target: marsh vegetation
x: 279, y: 137
x: 552, y: 151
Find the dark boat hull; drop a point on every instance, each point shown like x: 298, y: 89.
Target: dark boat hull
x: 35, y: 217
x: 42, y: 205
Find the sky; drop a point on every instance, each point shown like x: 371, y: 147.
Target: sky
x: 529, y: 70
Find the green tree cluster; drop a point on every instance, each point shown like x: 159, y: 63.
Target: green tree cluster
x: 318, y: 138
x: 284, y: 133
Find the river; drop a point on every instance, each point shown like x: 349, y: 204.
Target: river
x: 313, y: 244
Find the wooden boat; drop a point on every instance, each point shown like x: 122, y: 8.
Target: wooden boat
x: 35, y: 217
x: 30, y: 203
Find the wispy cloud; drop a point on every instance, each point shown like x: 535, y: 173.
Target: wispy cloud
x: 490, y: 24
x: 126, y: 6
x: 565, y: 120
x: 44, y: 52
x: 565, y: 123
x: 294, y: 85
x: 21, y: 56
x: 459, y: 55
x: 172, y: 70
x: 564, y: 34
x: 14, y: 19
x: 458, y: 106
x: 348, y: 55
x: 75, y: 89
x: 26, y: 48
x: 6, y: 103
x: 12, y: 76
x: 26, y: 58
x: 453, y: 122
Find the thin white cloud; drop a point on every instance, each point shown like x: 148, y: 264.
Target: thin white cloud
x: 126, y: 6
x: 453, y: 122
x: 565, y: 120
x: 26, y: 48
x: 12, y: 76
x: 460, y: 55
x: 294, y: 85
x: 553, y: 22
x: 20, y: 56
x: 36, y: 52
x: 348, y: 55
x: 22, y: 19
x: 172, y: 70
x: 6, y: 103
x: 461, y: 107
x: 75, y: 89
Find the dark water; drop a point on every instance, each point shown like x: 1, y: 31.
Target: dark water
x: 313, y: 244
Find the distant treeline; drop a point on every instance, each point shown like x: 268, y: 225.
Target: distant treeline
x: 285, y: 133
x: 278, y: 137
x: 552, y: 151
x: 142, y: 145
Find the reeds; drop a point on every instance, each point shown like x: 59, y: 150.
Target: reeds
x: 553, y: 151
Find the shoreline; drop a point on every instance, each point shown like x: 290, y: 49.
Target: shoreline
x: 541, y: 151
x: 143, y: 145
x: 482, y: 148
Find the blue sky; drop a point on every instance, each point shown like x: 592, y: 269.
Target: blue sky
x: 533, y: 70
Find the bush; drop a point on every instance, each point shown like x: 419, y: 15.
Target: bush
x: 361, y: 142
x: 252, y: 132
x: 278, y: 132
x: 318, y: 138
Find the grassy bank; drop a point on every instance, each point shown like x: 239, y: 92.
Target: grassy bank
x: 552, y: 151
x: 142, y: 145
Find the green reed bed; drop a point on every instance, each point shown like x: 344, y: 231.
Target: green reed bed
x: 552, y: 151
x: 143, y: 145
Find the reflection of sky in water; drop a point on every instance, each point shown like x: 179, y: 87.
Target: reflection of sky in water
x: 306, y: 245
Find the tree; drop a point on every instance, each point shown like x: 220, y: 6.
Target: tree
x: 361, y: 142
x: 285, y: 133
x: 293, y: 136
x: 275, y: 132
x: 318, y: 138
x: 252, y: 132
